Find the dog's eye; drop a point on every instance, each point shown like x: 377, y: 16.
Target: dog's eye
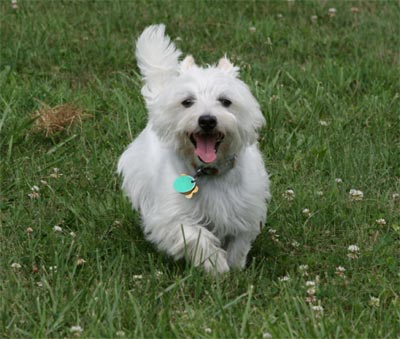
x: 225, y: 102
x: 187, y: 103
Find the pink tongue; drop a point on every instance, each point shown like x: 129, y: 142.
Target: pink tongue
x: 205, y: 147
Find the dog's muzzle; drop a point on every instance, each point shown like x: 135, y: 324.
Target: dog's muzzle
x: 207, y: 140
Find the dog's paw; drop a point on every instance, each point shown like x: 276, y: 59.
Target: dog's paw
x: 216, y: 263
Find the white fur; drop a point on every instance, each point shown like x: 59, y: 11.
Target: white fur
x: 216, y: 227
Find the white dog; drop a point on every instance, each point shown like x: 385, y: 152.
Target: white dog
x: 195, y: 172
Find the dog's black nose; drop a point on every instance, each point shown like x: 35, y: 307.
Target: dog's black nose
x: 207, y: 122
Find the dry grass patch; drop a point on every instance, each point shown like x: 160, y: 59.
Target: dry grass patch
x: 51, y: 120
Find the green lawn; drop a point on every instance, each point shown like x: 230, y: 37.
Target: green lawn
x: 329, y: 88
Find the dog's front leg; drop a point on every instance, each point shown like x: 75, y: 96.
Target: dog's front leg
x: 237, y: 250
x: 195, y: 243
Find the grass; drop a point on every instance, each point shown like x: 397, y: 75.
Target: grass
x: 342, y: 70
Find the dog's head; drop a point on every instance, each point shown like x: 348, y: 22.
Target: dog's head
x: 208, y: 114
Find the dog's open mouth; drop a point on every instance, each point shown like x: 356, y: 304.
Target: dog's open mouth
x: 206, y: 145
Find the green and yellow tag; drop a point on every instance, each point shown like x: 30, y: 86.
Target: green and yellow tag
x: 186, y: 185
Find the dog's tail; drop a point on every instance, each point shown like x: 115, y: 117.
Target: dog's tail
x: 157, y: 58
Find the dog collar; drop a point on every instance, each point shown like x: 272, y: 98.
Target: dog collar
x: 187, y: 185
x: 214, y: 170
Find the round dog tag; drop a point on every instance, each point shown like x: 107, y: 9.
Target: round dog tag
x: 184, y: 184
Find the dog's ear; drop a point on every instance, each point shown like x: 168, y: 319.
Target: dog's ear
x: 187, y: 64
x: 225, y: 65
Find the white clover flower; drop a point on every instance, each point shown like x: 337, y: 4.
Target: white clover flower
x: 303, y: 268
x: 34, y: 195
x: 340, y: 270
x: 252, y: 29
x: 374, y: 302
x: 35, y: 188
x: 332, y: 12
x: 381, y: 222
x: 72, y: 234
x: 285, y: 278
x: 80, y: 261
x: 306, y: 212
x: 274, y: 234
x: 120, y: 334
x: 324, y: 123
x: 137, y: 277
x: 16, y: 265
x: 395, y: 196
x: 289, y: 195
x: 56, y: 173
x: 57, y: 228
x: 53, y: 268
x: 14, y: 4
x: 310, y: 283
x: 267, y: 335
x: 353, y: 248
x: 311, y: 299
x: 279, y: 16
x: 76, y: 329
x: 314, y: 18
x: 295, y: 244
x: 354, y: 251
x: 318, y: 309
x: 356, y: 195
x: 39, y: 284
x: 338, y: 180
x: 29, y: 230
x: 43, y: 182
x: 311, y: 291
x: 208, y: 330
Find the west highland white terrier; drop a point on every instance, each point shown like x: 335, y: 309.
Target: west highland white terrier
x: 195, y: 173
